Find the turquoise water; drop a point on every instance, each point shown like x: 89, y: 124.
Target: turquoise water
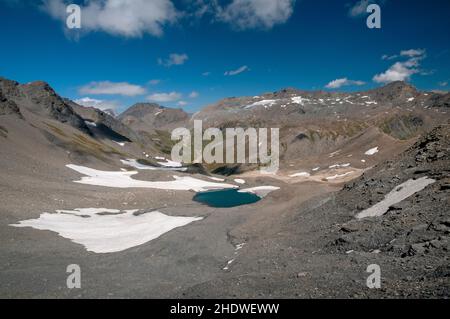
x: 226, y: 198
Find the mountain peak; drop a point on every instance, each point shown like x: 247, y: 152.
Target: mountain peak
x: 5, y: 80
x: 39, y: 89
x: 145, y: 116
x: 394, y: 91
x: 39, y: 85
x: 141, y: 109
x: 399, y: 86
x: 41, y: 100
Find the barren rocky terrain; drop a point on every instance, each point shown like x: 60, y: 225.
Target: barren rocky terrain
x: 341, y: 154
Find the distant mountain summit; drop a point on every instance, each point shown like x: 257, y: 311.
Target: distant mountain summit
x: 150, y: 116
x: 103, y: 123
x: 141, y: 109
x: 398, y: 91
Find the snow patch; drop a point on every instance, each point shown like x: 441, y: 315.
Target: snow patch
x: 265, y: 103
x: 299, y: 100
x: 217, y: 179
x: 337, y: 176
x: 301, y: 174
x: 228, y: 264
x: 123, y: 180
x: 398, y: 194
x: 372, y: 151
x: 335, y: 153
x: 89, y: 123
x: 102, y: 230
x: 169, y: 163
x: 339, y: 165
x: 134, y: 163
x: 261, y: 191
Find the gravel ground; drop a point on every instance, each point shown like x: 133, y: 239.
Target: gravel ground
x: 301, y: 241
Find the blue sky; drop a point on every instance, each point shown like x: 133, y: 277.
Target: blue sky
x: 189, y: 53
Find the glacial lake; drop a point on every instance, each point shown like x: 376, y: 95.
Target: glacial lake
x: 226, y: 198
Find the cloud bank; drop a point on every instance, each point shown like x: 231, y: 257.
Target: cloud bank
x: 112, y: 88
x: 335, y: 84
x: 164, y: 97
x: 402, y: 70
x: 98, y: 104
x: 174, y: 59
x: 240, y: 70
x: 135, y: 18
x: 251, y: 14
x: 128, y: 18
x: 359, y: 9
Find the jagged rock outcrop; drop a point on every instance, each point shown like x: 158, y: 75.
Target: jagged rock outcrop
x: 440, y: 100
x: 415, y: 227
x: 41, y: 99
x: 8, y: 107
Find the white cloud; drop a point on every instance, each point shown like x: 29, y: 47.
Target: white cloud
x: 112, y: 88
x: 128, y: 18
x: 413, y: 53
x: 182, y: 103
x: 402, y: 71
x: 173, y: 59
x: 98, y: 104
x: 135, y: 18
x: 194, y: 94
x: 444, y: 83
x: 335, y: 84
x: 359, y: 8
x: 164, y: 97
x: 243, y: 68
x: 397, y: 72
x: 250, y: 14
x: 154, y: 82
x: 389, y: 57
x: 206, y: 73
x: 200, y: 8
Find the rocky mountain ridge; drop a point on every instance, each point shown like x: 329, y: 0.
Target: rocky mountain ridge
x: 291, y: 105
x: 312, y: 123
x: 39, y: 98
